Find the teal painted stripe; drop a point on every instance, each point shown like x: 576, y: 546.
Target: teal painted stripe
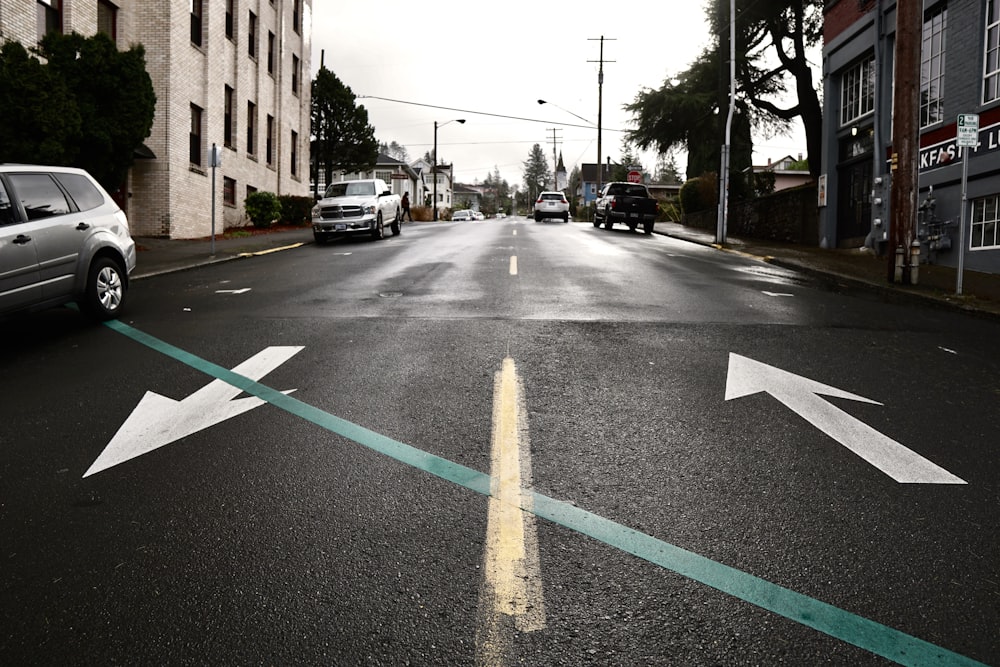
x: 833, y: 621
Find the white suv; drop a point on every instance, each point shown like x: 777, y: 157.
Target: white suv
x: 551, y: 205
x: 62, y: 238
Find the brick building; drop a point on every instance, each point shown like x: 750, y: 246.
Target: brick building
x: 960, y: 74
x: 234, y: 73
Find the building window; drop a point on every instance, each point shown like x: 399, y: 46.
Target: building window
x: 384, y: 175
x: 296, y: 71
x: 295, y: 153
x: 252, y: 35
x: 985, y: 220
x: 251, y: 126
x: 229, y: 19
x: 228, y: 191
x: 269, y: 150
x: 227, y: 118
x: 932, y: 67
x: 991, y: 84
x: 49, y: 17
x: 296, y: 15
x: 107, y: 19
x: 195, y: 135
x: 250, y: 190
x: 196, y: 14
x: 857, y: 91
x: 270, y: 52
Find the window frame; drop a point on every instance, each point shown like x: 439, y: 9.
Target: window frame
x: 857, y: 91
x: 251, y: 128
x: 932, y: 65
x: 196, y: 150
x: 252, y: 36
x: 197, y: 22
x: 979, y: 222
x: 991, y: 52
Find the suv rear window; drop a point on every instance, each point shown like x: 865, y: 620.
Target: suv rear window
x: 39, y: 195
x: 81, y: 190
x: 552, y: 197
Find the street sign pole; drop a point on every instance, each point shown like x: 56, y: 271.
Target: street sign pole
x: 968, y: 137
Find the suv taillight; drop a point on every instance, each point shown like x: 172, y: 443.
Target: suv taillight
x: 539, y: 201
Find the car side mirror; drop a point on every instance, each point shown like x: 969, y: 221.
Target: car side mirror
x: 386, y: 193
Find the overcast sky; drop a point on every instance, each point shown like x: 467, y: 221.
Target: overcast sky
x: 450, y: 59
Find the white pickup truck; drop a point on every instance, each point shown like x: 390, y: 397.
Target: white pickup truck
x: 356, y: 207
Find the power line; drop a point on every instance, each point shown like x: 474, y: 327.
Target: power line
x: 482, y: 113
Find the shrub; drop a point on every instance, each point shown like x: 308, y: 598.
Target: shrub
x: 263, y: 208
x: 296, y: 210
x: 422, y: 213
x: 699, y: 194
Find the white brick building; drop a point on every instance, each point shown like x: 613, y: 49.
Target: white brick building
x: 230, y: 72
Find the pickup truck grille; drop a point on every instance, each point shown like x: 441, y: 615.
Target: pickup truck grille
x: 339, y: 212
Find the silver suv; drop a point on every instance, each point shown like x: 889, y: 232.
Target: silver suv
x: 551, y: 205
x: 62, y: 239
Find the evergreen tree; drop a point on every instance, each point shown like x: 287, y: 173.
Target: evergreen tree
x: 536, y: 173
x: 114, y: 95
x: 39, y: 120
x: 342, y: 138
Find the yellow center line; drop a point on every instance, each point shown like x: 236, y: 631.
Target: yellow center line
x: 512, y: 587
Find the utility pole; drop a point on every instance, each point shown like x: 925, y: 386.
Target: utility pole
x: 555, y: 179
x: 903, y: 247
x: 600, y: 105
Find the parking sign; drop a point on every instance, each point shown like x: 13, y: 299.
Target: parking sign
x: 968, y: 130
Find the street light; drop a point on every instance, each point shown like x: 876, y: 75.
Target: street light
x: 434, y: 166
x: 566, y: 110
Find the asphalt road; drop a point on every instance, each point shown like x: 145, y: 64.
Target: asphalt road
x: 500, y: 443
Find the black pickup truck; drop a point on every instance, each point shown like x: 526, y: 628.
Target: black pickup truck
x: 626, y: 203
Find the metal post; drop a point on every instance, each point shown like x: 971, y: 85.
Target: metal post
x: 961, y: 225
x: 720, y: 236
x: 214, y: 161
x: 434, y: 202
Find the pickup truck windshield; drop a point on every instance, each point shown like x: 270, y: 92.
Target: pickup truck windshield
x: 351, y: 189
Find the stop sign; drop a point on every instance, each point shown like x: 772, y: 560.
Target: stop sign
x: 634, y: 177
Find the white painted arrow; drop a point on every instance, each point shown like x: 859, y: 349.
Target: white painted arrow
x: 157, y: 420
x: 243, y: 290
x: 801, y: 395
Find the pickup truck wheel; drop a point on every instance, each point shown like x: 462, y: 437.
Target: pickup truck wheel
x: 632, y: 226
x: 647, y: 227
x: 607, y: 219
x: 597, y: 221
x: 378, y: 231
x: 395, y: 224
x: 319, y: 237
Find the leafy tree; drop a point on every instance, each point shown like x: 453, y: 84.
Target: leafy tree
x: 342, y: 137
x: 394, y: 150
x: 690, y: 111
x: 666, y: 168
x: 629, y: 159
x: 495, y: 191
x: 786, y: 29
x: 114, y: 97
x: 536, y: 173
x: 39, y: 120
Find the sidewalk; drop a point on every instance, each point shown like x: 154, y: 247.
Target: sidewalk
x: 845, y: 268
x: 857, y: 269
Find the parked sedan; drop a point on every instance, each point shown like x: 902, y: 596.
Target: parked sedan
x: 463, y: 215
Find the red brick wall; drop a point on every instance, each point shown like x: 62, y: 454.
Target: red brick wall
x: 840, y: 14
